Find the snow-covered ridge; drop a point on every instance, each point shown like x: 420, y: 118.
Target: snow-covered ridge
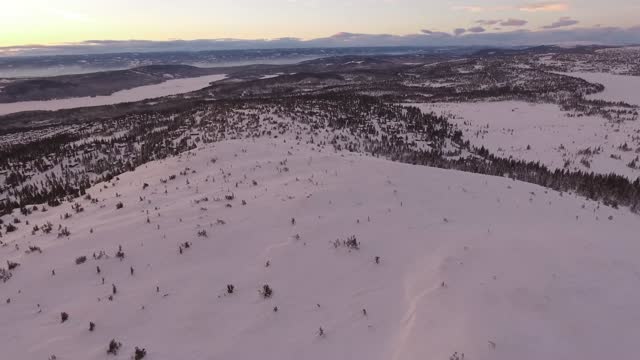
x: 484, y: 266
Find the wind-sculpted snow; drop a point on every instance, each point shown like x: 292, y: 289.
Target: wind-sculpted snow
x: 437, y: 263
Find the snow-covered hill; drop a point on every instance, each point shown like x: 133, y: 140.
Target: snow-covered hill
x: 445, y: 263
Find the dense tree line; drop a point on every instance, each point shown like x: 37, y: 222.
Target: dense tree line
x: 56, y: 168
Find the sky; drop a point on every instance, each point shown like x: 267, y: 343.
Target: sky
x: 69, y: 22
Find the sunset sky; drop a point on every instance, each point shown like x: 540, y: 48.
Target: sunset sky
x: 45, y: 22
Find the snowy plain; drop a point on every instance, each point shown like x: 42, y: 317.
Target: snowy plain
x: 167, y: 88
x: 489, y: 267
x: 543, y: 132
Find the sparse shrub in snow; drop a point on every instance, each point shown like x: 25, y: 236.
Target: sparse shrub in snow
x: 10, y: 228
x: 119, y: 205
x: 185, y: 245
x: 5, y: 275
x: 266, y: 291
x: 33, y: 249
x: 64, y: 232
x: 114, y: 347
x: 202, y: 233
x: 457, y: 356
x: 81, y: 260
x: 120, y: 253
x: 77, y: 208
x: 92, y: 326
x: 377, y: 259
x: 46, y: 228
x: 64, y: 316
x: 12, y: 265
x: 352, y: 243
x: 230, y: 289
x: 139, y: 353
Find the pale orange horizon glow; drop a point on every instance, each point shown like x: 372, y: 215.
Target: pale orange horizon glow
x: 45, y: 22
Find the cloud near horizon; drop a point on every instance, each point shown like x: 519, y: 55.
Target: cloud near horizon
x: 514, y: 22
x: 555, y: 33
x: 544, y: 6
x: 562, y: 22
x: 509, y: 22
x: 531, y: 7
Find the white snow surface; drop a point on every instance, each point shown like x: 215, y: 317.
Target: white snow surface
x: 616, y: 87
x: 485, y: 266
x: 167, y: 88
x: 544, y: 133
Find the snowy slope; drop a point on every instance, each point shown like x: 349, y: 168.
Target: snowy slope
x: 484, y: 266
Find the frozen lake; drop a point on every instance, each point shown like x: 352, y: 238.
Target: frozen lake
x: 617, y: 87
x: 171, y: 87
